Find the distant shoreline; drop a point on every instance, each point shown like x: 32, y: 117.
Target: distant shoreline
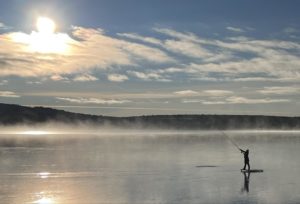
x: 11, y: 114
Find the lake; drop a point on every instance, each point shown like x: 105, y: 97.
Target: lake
x: 149, y: 167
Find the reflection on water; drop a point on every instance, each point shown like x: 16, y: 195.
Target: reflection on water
x: 188, y: 168
x: 44, y: 201
x: 44, y: 175
x: 246, y: 182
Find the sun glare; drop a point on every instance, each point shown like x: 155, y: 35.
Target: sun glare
x: 35, y: 132
x: 45, y: 39
x: 45, y: 25
x: 44, y: 201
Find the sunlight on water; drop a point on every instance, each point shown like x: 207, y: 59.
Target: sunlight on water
x: 35, y: 132
x: 184, y: 167
x: 43, y: 175
x: 44, y: 200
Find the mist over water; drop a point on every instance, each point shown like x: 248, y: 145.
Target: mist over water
x: 73, y: 165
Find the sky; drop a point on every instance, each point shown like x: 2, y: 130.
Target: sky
x: 141, y: 57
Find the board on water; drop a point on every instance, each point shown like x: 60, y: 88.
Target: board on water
x: 252, y: 170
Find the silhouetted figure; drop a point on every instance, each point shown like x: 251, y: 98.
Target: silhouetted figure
x: 246, y: 182
x: 246, y: 159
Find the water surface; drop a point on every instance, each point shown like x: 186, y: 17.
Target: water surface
x: 200, y: 167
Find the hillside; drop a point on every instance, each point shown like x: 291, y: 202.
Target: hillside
x: 16, y: 114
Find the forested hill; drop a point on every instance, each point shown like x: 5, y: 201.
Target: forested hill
x: 15, y: 114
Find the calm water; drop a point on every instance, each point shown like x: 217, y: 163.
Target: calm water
x: 150, y: 168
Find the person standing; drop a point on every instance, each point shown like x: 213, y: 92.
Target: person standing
x: 246, y: 159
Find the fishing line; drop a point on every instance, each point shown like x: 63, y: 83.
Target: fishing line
x: 231, y: 141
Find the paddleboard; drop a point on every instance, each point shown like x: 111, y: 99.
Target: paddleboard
x: 252, y: 170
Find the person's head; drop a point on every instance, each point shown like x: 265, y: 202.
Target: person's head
x: 247, y: 150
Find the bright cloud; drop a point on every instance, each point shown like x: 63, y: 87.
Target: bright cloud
x: 135, y: 36
x: 236, y: 100
x: 235, y: 29
x: 85, y: 77
x: 92, y: 50
x: 187, y: 48
x: 218, y: 92
x: 270, y: 59
x: 8, y: 94
x: 92, y: 100
x: 146, y: 53
x: 280, y: 90
x: 243, y: 100
x: 151, y: 76
x: 57, y: 77
x: 3, y: 26
x: 179, y: 53
x: 186, y: 93
x: 117, y: 77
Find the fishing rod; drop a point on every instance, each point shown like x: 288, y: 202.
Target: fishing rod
x: 232, y: 141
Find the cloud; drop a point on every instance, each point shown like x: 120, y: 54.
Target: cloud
x: 187, y: 48
x: 147, y: 53
x: 117, y: 77
x: 3, y: 82
x: 171, y: 70
x: 135, y: 36
x: 57, y: 77
x: 280, y: 90
x: 87, y: 49
x: 85, y: 77
x: 8, y: 94
x: 278, y: 68
x: 186, y: 44
x: 257, y: 79
x: 92, y: 100
x: 290, y: 30
x: 33, y: 82
x: 239, y: 38
x: 274, y: 60
x: 243, y: 100
x: 236, y: 100
x: 178, y: 54
x: 186, y: 93
x: 3, y: 26
x: 151, y: 76
x: 218, y: 92
x: 235, y: 29
x: 192, y: 101
x: 179, y: 35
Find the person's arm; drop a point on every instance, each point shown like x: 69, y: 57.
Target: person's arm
x: 242, y: 151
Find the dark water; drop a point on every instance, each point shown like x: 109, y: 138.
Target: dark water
x: 150, y: 168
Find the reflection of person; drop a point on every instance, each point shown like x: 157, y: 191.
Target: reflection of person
x: 246, y: 182
x: 246, y: 159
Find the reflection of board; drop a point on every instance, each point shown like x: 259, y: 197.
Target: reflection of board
x: 252, y: 170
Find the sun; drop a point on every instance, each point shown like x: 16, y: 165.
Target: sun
x: 45, y: 39
x: 45, y: 25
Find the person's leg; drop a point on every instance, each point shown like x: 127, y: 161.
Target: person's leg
x: 244, y: 166
x: 248, y: 165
